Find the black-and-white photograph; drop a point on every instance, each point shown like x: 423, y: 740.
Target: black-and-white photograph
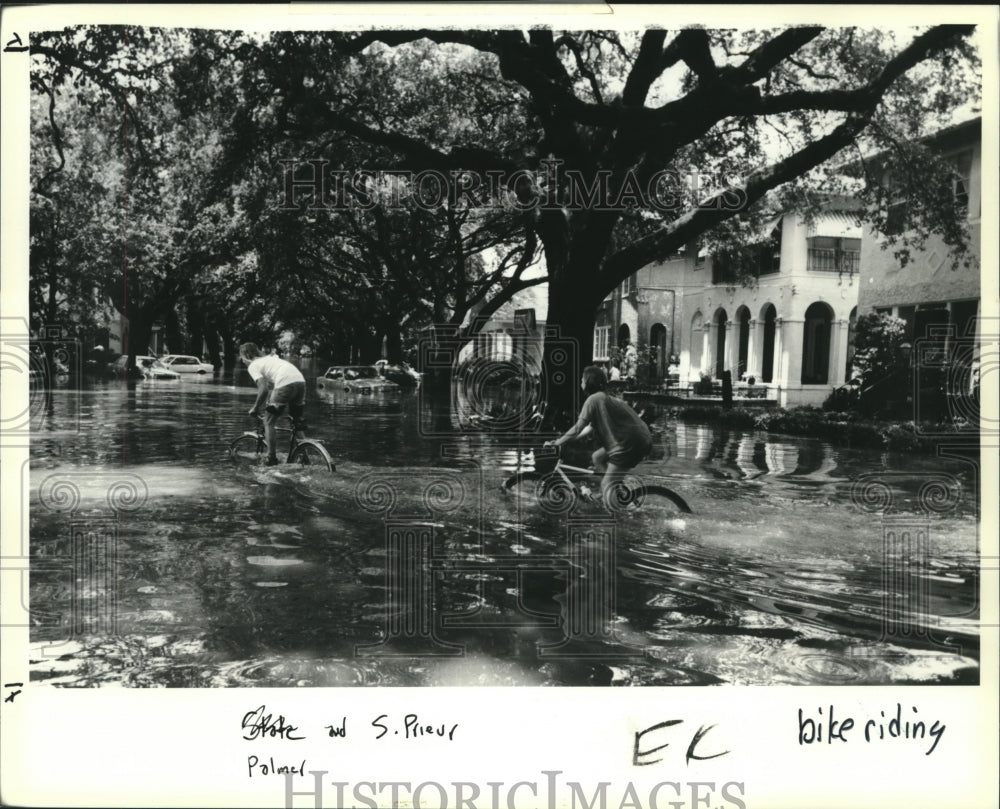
x: 509, y: 354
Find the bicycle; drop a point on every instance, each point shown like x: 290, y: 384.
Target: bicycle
x: 251, y: 447
x: 560, y: 489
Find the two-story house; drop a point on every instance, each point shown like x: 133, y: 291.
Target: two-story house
x: 789, y: 330
x: 935, y: 299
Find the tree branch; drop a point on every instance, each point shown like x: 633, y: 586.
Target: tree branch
x: 692, y: 47
x: 646, y: 68
x: 56, y: 137
x: 577, y: 51
x: 105, y: 80
x: 720, y: 208
x: 861, y: 98
x: 766, y: 57
x: 422, y: 154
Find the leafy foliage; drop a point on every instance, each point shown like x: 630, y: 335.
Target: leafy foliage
x: 158, y: 177
x: 878, y: 346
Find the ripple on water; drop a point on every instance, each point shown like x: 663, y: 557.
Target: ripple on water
x: 271, y: 561
x: 266, y: 543
x: 821, y: 668
x: 299, y: 672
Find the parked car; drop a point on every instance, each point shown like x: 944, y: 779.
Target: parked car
x: 402, y: 374
x: 356, y: 379
x: 332, y: 379
x: 147, y: 367
x: 186, y: 364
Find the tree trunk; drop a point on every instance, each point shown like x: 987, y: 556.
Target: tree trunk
x: 212, y: 338
x: 572, y: 257
x: 140, y: 330
x: 172, y: 337
x: 373, y: 348
x: 569, y: 344
x: 196, y: 327
x: 394, y: 344
x: 228, y: 350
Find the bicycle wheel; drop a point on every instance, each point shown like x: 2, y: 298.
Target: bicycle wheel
x: 312, y: 454
x: 549, y: 491
x: 521, y: 482
x: 249, y: 449
x: 634, y: 494
x: 663, y: 493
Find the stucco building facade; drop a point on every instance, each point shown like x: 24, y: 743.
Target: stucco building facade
x: 789, y: 331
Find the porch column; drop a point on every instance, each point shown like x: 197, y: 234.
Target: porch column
x: 778, y: 365
x: 753, y: 364
x: 838, y: 352
x: 732, y: 349
x: 708, y: 347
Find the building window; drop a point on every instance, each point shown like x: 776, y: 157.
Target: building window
x: 832, y: 254
x: 852, y: 327
x: 895, y: 220
x: 720, y: 320
x: 764, y: 258
x: 602, y: 336
x: 767, y: 356
x: 628, y: 285
x: 816, y: 345
x: 961, y: 166
x: 743, y: 319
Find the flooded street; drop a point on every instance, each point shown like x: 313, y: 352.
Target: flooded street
x: 156, y: 561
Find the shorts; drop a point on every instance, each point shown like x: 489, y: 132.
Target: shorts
x: 293, y: 395
x: 629, y: 458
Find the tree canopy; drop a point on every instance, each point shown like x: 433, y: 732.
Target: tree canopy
x: 598, y: 151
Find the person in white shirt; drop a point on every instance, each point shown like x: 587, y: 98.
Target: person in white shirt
x: 281, y: 385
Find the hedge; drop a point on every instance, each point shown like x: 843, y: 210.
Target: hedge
x: 850, y: 429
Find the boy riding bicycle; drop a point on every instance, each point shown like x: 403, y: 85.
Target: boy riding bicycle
x: 281, y: 385
x: 625, y: 438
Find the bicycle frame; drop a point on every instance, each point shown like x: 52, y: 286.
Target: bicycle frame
x: 293, y: 440
x: 567, y: 472
x: 298, y: 443
x: 564, y: 471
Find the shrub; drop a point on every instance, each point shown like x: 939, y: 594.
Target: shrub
x: 703, y: 387
x: 842, y: 399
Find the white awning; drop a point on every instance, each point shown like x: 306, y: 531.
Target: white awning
x: 835, y: 224
x: 770, y: 225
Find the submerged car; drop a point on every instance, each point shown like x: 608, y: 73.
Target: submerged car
x: 402, y: 374
x: 186, y: 364
x: 332, y: 378
x: 145, y: 366
x: 354, y: 378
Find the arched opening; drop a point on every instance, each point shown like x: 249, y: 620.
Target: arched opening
x: 743, y: 321
x: 720, y: 342
x: 624, y: 336
x: 852, y: 323
x: 816, y: 344
x: 697, y: 334
x: 658, y: 351
x: 770, y: 315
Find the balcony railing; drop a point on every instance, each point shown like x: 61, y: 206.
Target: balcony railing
x: 823, y: 259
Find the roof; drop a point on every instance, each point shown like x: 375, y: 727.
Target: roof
x: 837, y: 224
x: 964, y: 133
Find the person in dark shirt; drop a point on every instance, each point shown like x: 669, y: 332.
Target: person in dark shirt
x: 624, y: 437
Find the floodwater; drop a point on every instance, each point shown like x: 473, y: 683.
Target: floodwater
x: 155, y: 561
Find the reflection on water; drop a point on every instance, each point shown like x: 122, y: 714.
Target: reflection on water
x: 155, y: 561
